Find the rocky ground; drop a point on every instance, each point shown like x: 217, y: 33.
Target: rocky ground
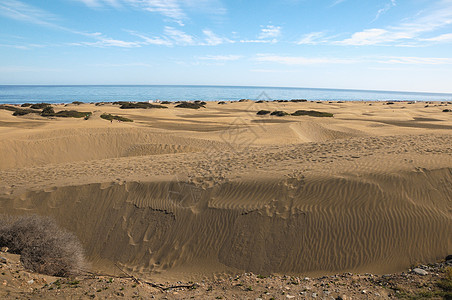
x: 433, y: 281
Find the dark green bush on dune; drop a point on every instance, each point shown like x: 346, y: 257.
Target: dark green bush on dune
x: 279, y: 113
x: 312, y: 113
x: 39, y: 105
x: 110, y: 117
x: 17, y: 111
x: 44, y: 247
x: 48, y: 111
x: 263, y: 112
x: 72, y: 114
x: 191, y: 105
x: 145, y: 105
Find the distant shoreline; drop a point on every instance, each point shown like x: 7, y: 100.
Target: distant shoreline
x: 18, y: 94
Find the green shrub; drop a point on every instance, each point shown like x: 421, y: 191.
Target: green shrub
x: 145, y: 105
x: 110, y: 117
x: 312, y: 113
x: 44, y: 247
x: 77, y: 102
x: 221, y: 102
x: 39, y: 105
x: 72, y: 114
x: 48, y: 111
x: 298, y: 100
x: 165, y: 102
x: 26, y: 104
x: 191, y: 105
x: 279, y: 113
x: 263, y: 112
x: 18, y: 111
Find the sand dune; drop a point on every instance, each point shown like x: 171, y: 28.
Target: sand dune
x: 369, y: 190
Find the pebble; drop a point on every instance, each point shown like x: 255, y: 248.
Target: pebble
x: 31, y: 281
x: 420, y: 271
x: 289, y: 296
x: 3, y: 260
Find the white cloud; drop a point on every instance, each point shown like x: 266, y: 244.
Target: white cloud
x: 337, y: 2
x: 109, y: 42
x: 270, y: 31
x: 447, y: 37
x: 212, y: 39
x: 417, y: 60
x: 179, y: 37
x: 151, y: 40
x: 20, y: 11
x: 301, y: 60
x: 386, y: 7
x: 259, y: 41
x: 220, y: 57
x: 407, y: 31
x: 312, y: 38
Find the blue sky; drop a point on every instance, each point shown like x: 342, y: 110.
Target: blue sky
x: 383, y: 44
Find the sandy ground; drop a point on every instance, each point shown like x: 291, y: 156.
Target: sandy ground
x: 183, y: 194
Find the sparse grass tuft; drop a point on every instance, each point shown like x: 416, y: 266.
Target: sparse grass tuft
x: 77, y: 102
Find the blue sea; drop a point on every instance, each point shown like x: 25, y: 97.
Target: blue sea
x: 96, y: 93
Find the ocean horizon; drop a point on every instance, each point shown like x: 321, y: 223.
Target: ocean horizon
x: 17, y: 94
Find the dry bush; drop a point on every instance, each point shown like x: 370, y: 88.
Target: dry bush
x: 44, y: 247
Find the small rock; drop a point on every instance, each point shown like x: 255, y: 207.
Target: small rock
x: 4, y: 249
x: 420, y: 271
x: 3, y: 260
x: 314, y: 295
x: 363, y: 292
x: 31, y: 281
x: 289, y: 296
x: 449, y: 257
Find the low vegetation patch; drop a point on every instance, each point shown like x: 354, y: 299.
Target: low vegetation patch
x: 39, y: 105
x: 118, y: 118
x: 49, y: 112
x: 221, y: 102
x: 44, y: 247
x: 143, y: 105
x: 263, y: 112
x: 26, y: 104
x: 17, y: 111
x: 279, y: 113
x: 72, y: 114
x: 447, y: 110
x: 77, y: 102
x: 312, y: 113
x: 298, y: 100
x: 192, y: 105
